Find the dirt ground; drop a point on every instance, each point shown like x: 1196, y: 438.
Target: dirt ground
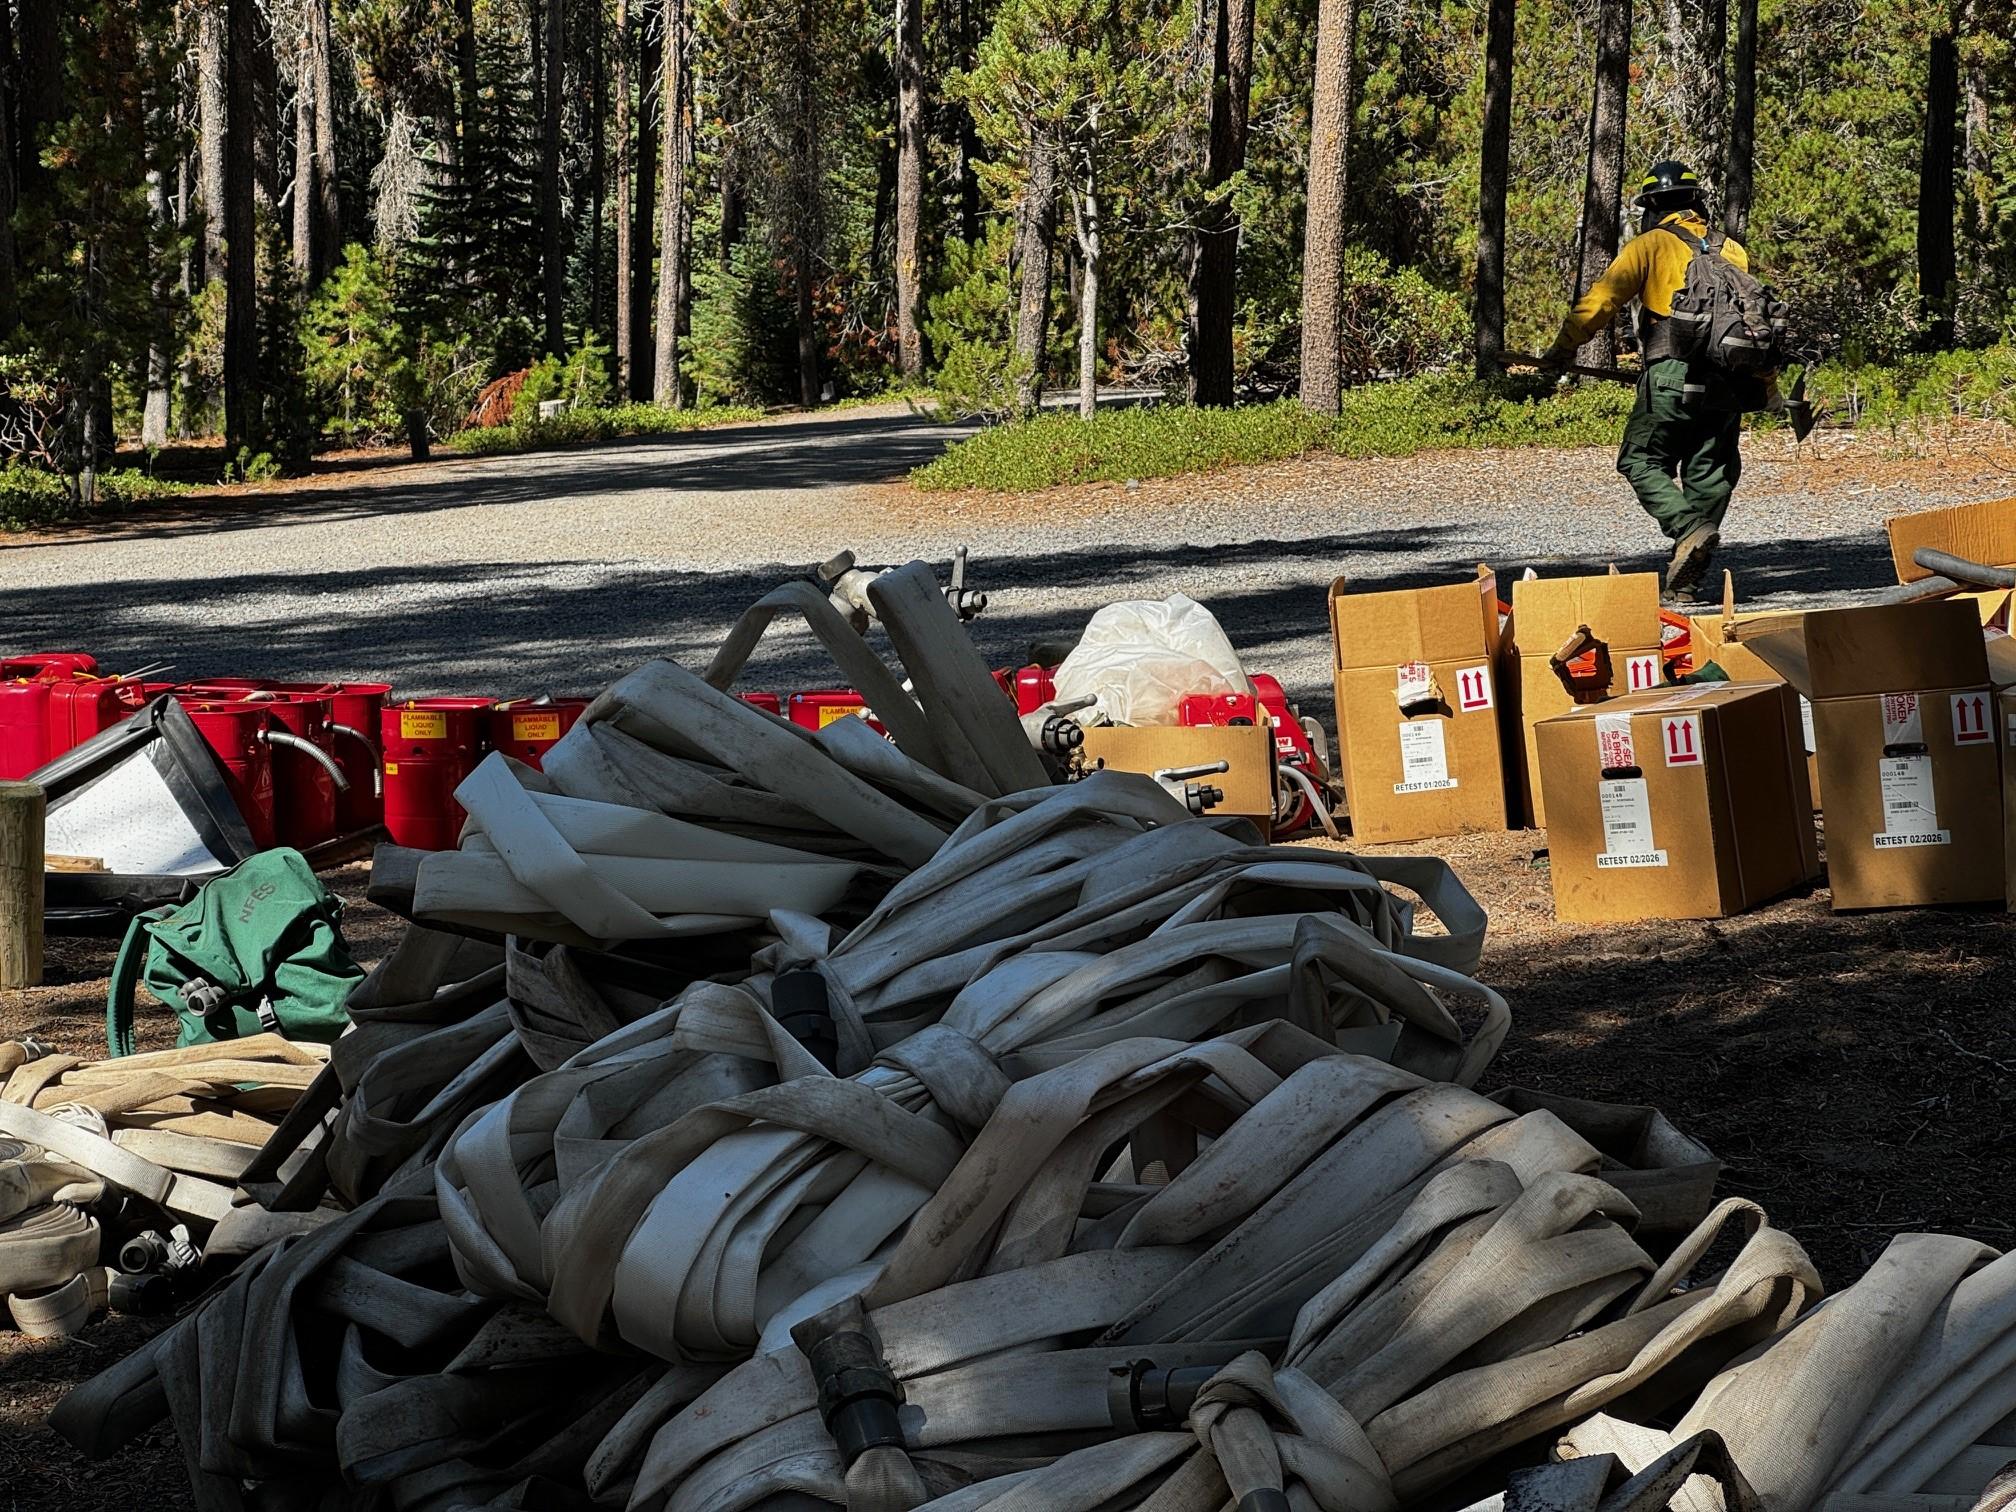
x: 1853, y: 1071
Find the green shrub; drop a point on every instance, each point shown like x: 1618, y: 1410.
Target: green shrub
x: 581, y: 380
x: 593, y: 423
x: 1920, y: 393
x: 34, y: 496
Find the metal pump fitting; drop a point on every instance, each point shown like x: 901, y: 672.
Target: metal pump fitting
x: 350, y: 732
x: 1061, y: 735
x: 312, y: 751
x: 858, y: 1395
x: 1141, y: 1397
x: 799, y: 1003
x: 966, y: 602
x: 1198, y: 797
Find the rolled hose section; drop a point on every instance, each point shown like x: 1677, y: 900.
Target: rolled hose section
x: 1961, y: 570
x: 858, y: 1400
x: 308, y: 748
x: 370, y: 750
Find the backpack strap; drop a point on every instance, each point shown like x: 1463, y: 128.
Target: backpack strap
x: 125, y: 979
x: 1692, y: 244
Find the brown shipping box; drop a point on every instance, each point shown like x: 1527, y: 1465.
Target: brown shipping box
x: 1724, y: 640
x: 1622, y: 613
x: 1904, y: 724
x: 2006, y: 723
x: 1417, y: 709
x: 1248, y: 785
x: 1984, y: 533
x: 1688, y: 803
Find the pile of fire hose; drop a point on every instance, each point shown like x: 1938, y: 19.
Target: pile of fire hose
x: 757, y: 1120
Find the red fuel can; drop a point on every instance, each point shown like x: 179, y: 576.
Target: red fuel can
x: 526, y: 731
x: 1034, y: 687
x: 356, y: 711
x: 819, y: 707
x: 24, y: 727
x: 49, y: 664
x: 304, y: 794
x: 769, y: 703
x: 233, y: 729
x: 430, y: 745
x: 81, y: 707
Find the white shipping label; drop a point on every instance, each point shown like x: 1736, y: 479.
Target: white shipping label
x: 1902, y: 723
x: 1971, y: 713
x: 1613, y: 742
x: 1414, y: 683
x: 1627, y: 824
x: 1642, y: 672
x: 1806, y: 722
x: 1682, y: 740
x: 1473, y: 688
x: 1424, y: 760
x: 1910, y: 808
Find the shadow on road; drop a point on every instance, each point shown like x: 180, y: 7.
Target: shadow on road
x: 507, y: 628
x: 757, y: 458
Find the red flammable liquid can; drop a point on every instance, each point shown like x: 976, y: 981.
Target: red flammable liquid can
x: 304, y: 794
x: 232, y: 729
x: 49, y: 664
x: 430, y: 745
x: 526, y: 731
x: 820, y: 707
x: 24, y: 727
x: 769, y: 703
x: 84, y: 706
x: 355, y: 712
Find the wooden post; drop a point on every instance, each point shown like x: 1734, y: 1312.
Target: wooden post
x: 21, y: 813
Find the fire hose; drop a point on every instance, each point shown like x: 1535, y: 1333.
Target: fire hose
x: 371, y: 756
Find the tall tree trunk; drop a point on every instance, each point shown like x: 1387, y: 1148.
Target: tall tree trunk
x: 1035, y: 248
x: 1739, y: 175
x: 1328, y: 189
x: 1214, y: 270
x: 1703, y: 51
x: 211, y: 114
x: 598, y: 170
x: 729, y: 168
x: 1936, y: 257
x: 242, y: 425
x: 549, y: 60
x: 467, y: 88
x: 1603, y: 179
x: 1977, y: 145
x: 186, y: 175
x: 1085, y: 209
x: 969, y: 135
x: 1488, y: 316
x: 39, y: 94
x: 910, y: 187
x: 675, y: 79
x: 265, y: 115
x: 160, y: 356
x: 328, y: 216
x: 623, y: 332
x: 644, y: 213
x: 304, y: 155
x: 10, y: 197
x: 805, y: 190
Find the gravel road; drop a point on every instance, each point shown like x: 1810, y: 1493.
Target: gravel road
x: 559, y: 571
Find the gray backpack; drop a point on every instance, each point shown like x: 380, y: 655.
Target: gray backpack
x: 1722, y: 316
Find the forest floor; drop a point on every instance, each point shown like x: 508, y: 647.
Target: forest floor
x: 1852, y: 1070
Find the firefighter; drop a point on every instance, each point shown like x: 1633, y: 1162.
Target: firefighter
x: 1680, y: 452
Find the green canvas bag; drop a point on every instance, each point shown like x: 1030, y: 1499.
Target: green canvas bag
x: 258, y: 949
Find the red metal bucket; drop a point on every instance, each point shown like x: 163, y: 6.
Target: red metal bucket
x: 430, y: 745
x: 356, y: 711
x: 304, y: 794
x: 232, y: 729
x: 526, y: 731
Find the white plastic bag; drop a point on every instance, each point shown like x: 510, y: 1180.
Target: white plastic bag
x: 1139, y: 659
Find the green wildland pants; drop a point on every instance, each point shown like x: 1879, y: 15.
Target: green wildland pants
x: 1680, y: 452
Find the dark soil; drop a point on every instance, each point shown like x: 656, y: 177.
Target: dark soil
x: 1852, y: 1070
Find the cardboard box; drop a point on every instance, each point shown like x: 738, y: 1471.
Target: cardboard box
x: 1433, y: 764
x: 1622, y: 613
x: 2005, y: 704
x: 1904, y: 725
x: 1724, y: 639
x: 1248, y: 785
x: 1984, y: 533
x: 1688, y: 803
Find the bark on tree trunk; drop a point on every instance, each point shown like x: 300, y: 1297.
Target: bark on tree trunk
x: 1703, y: 51
x: 550, y: 63
x: 1738, y: 175
x: 1214, y: 268
x: 623, y: 333
x: 672, y: 92
x: 969, y: 135
x: 644, y: 213
x: 160, y: 359
x: 265, y: 115
x: 186, y: 174
x: 211, y: 112
x: 805, y: 190
x: 1488, y: 320
x: 1036, y: 237
x: 1976, y: 142
x: 304, y: 156
x: 10, y: 302
x: 910, y: 187
x: 1328, y: 188
x: 1603, y: 181
x: 467, y: 86
x: 1936, y: 258
x: 598, y: 171
x: 242, y: 425
x: 328, y: 215
x: 1086, y: 212
x: 39, y: 97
